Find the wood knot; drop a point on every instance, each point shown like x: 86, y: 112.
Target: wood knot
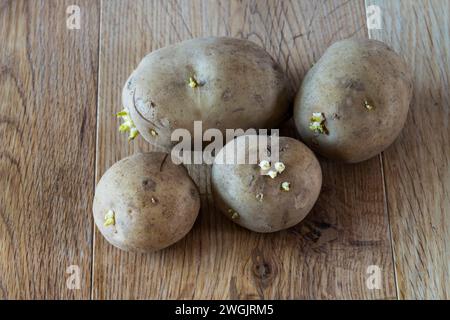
x: 262, y: 270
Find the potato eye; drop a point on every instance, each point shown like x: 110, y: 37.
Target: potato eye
x: 285, y: 186
x: 234, y: 214
x: 260, y: 197
x: 369, y: 106
x: 317, y: 123
x: 193, y: 83
x: 110, y: 218
x: 153, y: 133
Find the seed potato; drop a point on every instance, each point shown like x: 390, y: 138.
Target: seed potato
x: 354, y: 102
x: 271, y: 195
x: 145, y: 203
x: 224, y: 82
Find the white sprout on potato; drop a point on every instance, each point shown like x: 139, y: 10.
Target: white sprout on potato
x: 317, y: 123
x: 260, y: 197
x: 110, y: 218
x: 279, y: 166
x: 128, y: 124
x: 264, y: 165
x: 286, y: 186
x: 272, y: 173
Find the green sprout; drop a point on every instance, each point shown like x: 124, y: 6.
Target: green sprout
x: 193, y: 83
x: 110, y: 218
x: 128, y: 124
x: 317, y: 123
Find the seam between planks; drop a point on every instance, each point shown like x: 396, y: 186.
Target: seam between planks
x: 385, y: 196
x: 386, y: 209
x: 100, y: 3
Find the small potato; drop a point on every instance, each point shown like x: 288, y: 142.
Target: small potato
x: 224, y: 82
x: 145, y: 203
x: 354, y: 102
x: 271, y: 195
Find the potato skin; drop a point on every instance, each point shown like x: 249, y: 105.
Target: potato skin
x: 236, y: 187
x: 155, y: 202
x: 350, y: 73
x: 240, y: 86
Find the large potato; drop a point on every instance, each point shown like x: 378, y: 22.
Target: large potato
x: 354, y: 102
x: 145, y: 203
x: 223, y: 82
x: 253, y: 197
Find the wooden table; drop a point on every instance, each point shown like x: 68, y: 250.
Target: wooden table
x: 59, y: 89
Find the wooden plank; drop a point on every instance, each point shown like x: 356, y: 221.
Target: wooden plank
x: 417, y: 167
x: 327, y: 256
x: 48, y: 81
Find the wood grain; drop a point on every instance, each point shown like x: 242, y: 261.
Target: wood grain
x: 48, y: 82
x: 417, y: 167
x: 324, y: 257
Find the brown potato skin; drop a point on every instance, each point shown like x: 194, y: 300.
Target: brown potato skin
x: 241, y: 86
x: 128, y: 187
x: 236, y: 186
x: 348, y: 74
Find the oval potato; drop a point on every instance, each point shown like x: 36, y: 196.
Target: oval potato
x: 354, y: 102
x: 258, y: 202
x: 145, y: 203
x: 226, y: 83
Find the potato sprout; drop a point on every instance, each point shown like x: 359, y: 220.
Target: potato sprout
x: 128, y: 124
x: 285, y: 186
x: 279, y: 166
x: 317, y: 123
x: 110, y: 218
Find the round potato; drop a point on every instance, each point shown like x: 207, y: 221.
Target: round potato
x: 354, y: 102
x: 226, y: 83
x: 271, y: 195
x: 145, y: 203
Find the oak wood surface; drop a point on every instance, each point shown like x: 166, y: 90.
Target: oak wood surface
x: 48, y: 90
x: 324, y: 257
x: 417, y: 167
x: 59, y: 89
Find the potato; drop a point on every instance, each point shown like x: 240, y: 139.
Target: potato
x: 145, y: 203
x: 253, y: 197
x: 354, y: 102
x: 224, y: 82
